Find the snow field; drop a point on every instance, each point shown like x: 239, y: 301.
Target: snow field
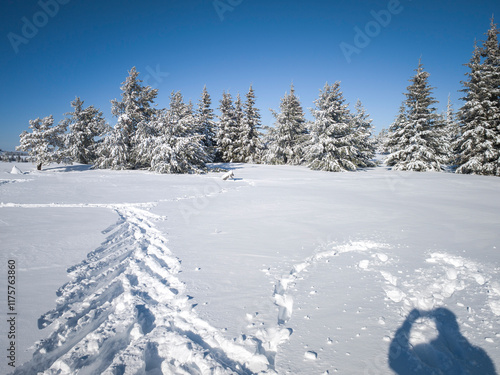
x: 281, y: 270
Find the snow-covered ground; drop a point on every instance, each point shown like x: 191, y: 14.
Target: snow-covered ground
x: 281, y: 269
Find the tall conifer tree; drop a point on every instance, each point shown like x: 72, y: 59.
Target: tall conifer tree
x: 228, y: 130
x: 286, y: 140
x: 331, y: 145
x: 478, y: 147
x: 416, y: 144
x: 86, y: 126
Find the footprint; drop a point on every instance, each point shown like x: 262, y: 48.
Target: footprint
x: 394, y: 294
x: 382, y: 257
x: 364, y: 264
x: 310, y: 355
x: 393, y: 280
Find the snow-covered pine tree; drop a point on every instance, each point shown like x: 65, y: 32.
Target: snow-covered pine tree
x: 381, y: 140
x: 396, y: 130
x: 86, y: 126
x: 176, y: 147
x: 206, y: 124
x: 136, y: 107
x: 43, y: 142
x: 112, y: 152
x: 331, y: 146
x: 285, y: 141
x: 228, y: 130
x: 250, y: 142
x: 417, y: 145
x: 238, y: 143
x: 363, y: 141
x: 478, y: 147
x: 451, y: 131
x: 450, y: 118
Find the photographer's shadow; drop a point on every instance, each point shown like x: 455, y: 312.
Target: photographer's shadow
x: 449, y: 353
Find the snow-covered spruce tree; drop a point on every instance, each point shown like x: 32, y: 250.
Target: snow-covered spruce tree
x: 112, y: 152
x: 175, y: 146
x: 86, y: 126
x: 417, y: 145
x: 363, y: 141
x: 205, y: 123
x: 239, y: 115
x: 396, y: 130
x: 134, y: 108
x: 331, y: 145
x: 451, y: 132
x: 478, y: 147
x: 452, y: 125
x: 250, y: 144
x: 381, y: 140
x: 228, y: 130
x: 43, y: 142
x: 285, y: 141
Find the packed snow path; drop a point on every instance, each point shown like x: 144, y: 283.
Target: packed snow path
x: 126, y: 312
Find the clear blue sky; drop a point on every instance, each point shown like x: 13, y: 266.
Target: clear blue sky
x: 85, y: 48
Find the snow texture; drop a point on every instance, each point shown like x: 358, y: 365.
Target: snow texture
x: 284, y: 270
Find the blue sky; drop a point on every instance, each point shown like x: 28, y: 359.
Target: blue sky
x: 85, y: 48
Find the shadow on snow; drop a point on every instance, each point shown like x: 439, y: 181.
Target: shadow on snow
x: 448, y: 353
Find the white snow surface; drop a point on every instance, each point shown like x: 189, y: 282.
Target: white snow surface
x: 282, y: 270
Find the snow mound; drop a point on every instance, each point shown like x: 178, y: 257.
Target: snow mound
x: 16, y: 170
x: 228, y: 175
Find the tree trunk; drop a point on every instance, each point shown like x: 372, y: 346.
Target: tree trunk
x: 39, y: 167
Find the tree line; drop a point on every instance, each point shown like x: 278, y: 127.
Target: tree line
x: 185, y: 139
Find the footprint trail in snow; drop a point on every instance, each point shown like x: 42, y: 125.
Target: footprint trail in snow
x: 126, y: 312
x: 437, y: 283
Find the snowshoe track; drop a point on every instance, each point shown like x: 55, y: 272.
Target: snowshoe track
x: 126, y: 312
